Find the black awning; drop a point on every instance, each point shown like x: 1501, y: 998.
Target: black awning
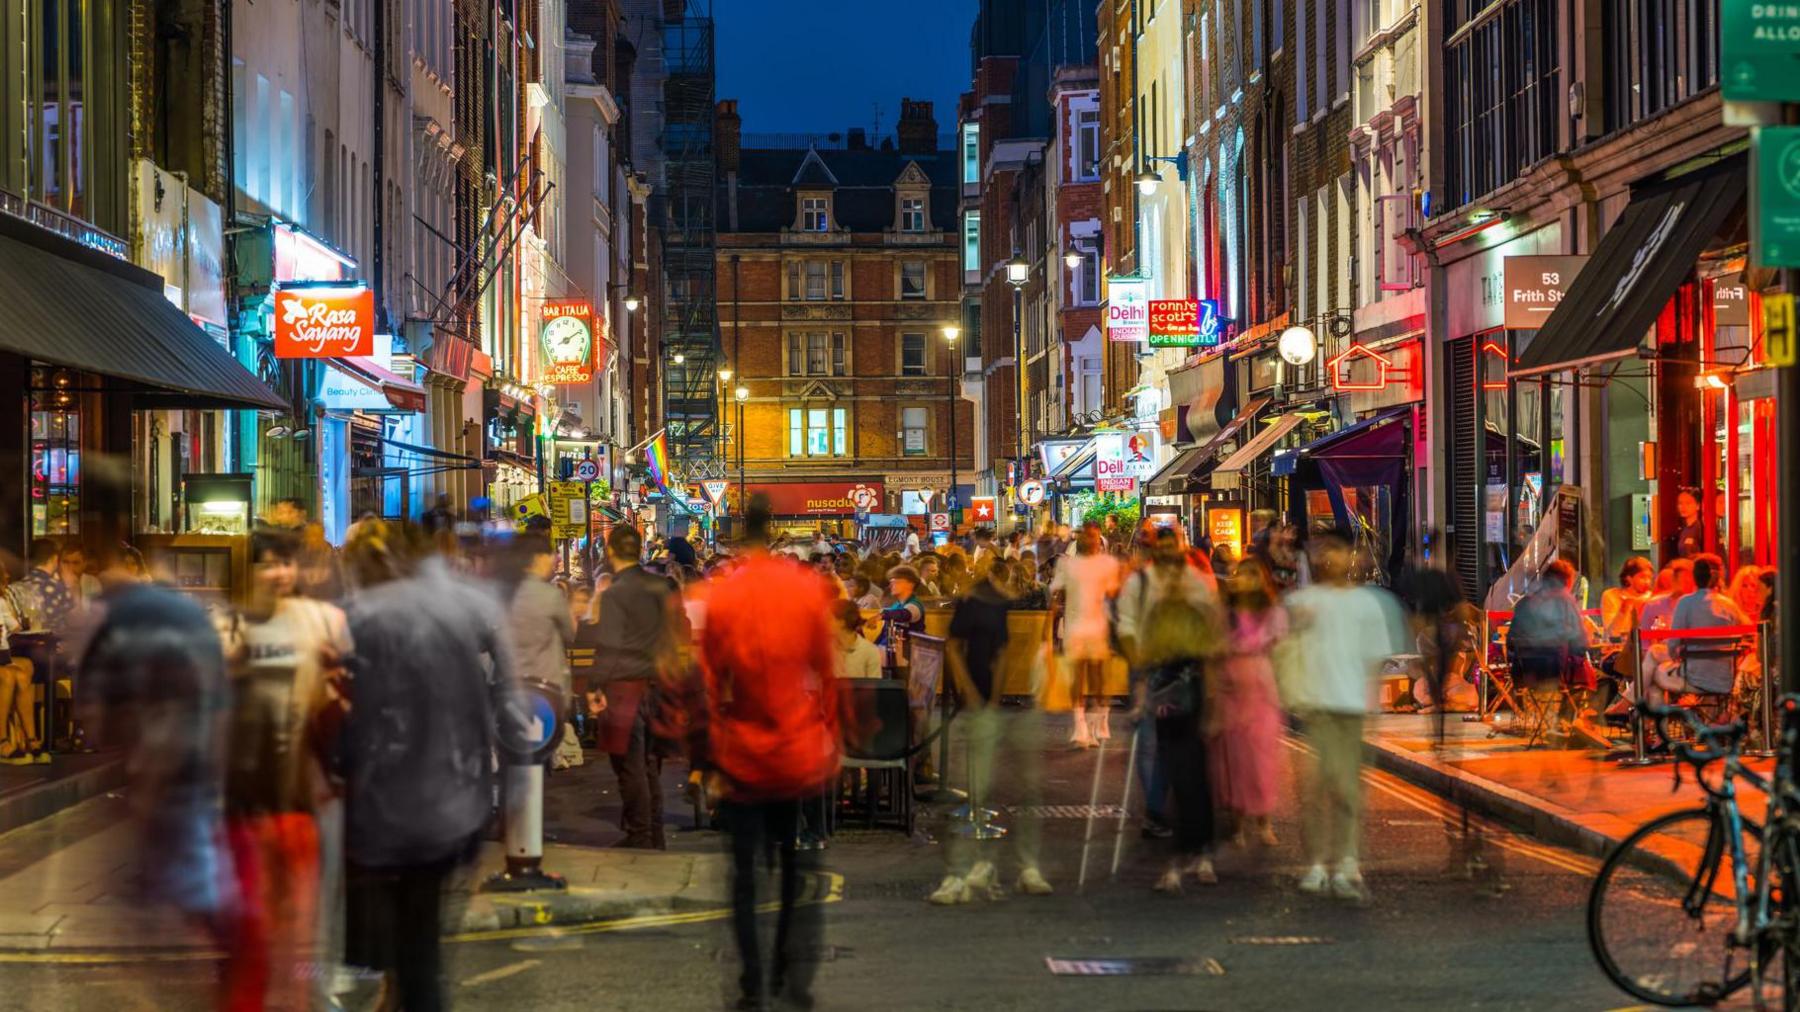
x: 1179, y: 475
x: 1638, y: 265
x: 64, y: 304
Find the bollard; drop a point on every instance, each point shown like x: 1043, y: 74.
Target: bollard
x: 522, y: 795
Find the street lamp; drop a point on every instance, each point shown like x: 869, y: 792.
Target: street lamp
x: 725, y: 375
x: 1018, y: 271
x: 1072, y: 258
x: 951, y: 333
x: 631, y: 303
x: 1297, y: 346
x: 743, y: 394
x: 679, y: 358
x: 1146, y: 182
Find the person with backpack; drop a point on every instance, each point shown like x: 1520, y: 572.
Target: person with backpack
x: 1169, y: 572
x: 769, y: 660
x: 435, y: 694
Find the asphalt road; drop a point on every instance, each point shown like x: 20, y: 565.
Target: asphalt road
x: 1510, y: 937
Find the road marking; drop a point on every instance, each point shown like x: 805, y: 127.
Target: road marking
x: 832, y: 891
x: 501, y: 973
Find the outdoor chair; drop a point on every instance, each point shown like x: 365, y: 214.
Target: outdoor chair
x: 879, y: 765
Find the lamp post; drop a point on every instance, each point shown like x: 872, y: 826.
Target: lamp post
x: 1018, y: 271
x: 743, y: 394
x: 951, y: 333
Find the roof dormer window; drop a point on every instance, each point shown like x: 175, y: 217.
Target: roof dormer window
x: 815, y: 214
x: 912, y: 214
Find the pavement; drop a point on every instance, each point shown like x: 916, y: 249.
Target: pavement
x: 1583, y: 799
x: 69, y: 882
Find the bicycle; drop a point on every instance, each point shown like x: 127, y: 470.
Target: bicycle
x: 1672, y: 931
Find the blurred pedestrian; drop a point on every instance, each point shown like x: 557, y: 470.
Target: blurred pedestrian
x: 1344, y: 633
x: 155, y: 688
x: 1244, y: 712
x: 1168, y: 575
x: 640, y: 617
x: 435, y: 696
x: 1434, y: 601
x: 288, y: 655
x: 1547, y: 643
x: 1176, y: 643
x: 539, y: 618
x: 769, y: 664
x: 1084, y: 584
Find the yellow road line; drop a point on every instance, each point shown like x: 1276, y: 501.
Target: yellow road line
x: 832, y: 892
x: 501, y: 973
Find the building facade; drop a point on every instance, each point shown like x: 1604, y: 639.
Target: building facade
x: 840, y: 270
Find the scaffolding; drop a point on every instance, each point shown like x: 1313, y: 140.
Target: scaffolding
x: 690, y: 322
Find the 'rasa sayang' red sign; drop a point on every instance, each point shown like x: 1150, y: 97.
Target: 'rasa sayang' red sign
x: 337, y: 322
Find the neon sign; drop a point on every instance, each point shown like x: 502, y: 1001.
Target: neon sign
x: 1385, y: 370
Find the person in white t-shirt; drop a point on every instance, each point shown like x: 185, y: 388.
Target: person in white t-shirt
x: 1345, y: 632
x: 1083, y: 584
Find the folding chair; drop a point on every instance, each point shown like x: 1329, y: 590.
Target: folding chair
x: 885, y: 756
x: 1715, y: 707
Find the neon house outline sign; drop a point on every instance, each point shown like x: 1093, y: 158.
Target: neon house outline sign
x: 1386, y: 371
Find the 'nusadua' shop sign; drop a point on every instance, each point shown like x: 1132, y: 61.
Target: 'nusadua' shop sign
x: 1759, y: 45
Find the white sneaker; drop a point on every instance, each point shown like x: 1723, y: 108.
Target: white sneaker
x: 1349, y: 887
x: 950, y: 892
x: 1315, y: 880
x: 1204, y: 873
x: 1032, y: 882
x: 983, y: 878
x: 1170, y: 882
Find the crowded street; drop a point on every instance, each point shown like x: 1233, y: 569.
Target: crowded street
x: 1507, y: 938
x: 963, y: 504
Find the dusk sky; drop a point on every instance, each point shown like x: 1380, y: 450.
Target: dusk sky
x: 856, y: 54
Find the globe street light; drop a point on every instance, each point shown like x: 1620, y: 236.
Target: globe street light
x: 631, y: 303
x: 1297, y: 345
x: 725, y: 375
x: 1146, y: 182
x: 1072, y: 258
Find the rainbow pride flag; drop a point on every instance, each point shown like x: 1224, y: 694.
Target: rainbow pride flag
x: 657, y: 456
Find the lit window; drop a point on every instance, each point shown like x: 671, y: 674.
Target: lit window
x: 912, y: 354
x: 912, y: 279
x: 972, y: 241
x: 817, y: 432
x: 913, y: 422
x: 1087, y: 144
x: 815, y: 214
x: 912, y: 214
x: 971, y: 153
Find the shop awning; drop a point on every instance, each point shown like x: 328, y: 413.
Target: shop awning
x: 1176, y: 475
x: 64, y: 304
x: 1079, y: 467
x: 1638, y: 265
x: 399, y: 393
x: 1226, y: 475
x: 1346, y: 439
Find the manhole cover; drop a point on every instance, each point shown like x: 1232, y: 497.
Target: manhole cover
x: 1133, y: 966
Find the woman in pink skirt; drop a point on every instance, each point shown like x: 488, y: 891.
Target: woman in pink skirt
x: 1244, y: 713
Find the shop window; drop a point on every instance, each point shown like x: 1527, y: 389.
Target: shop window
x: 818, y: 432
x: 913, y: 424
x: 912, y: 354
x: 912, y: 279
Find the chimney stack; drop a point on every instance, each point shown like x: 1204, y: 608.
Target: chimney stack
x: 858, y: 139
x: 917, y: 130
x: 727, y: 133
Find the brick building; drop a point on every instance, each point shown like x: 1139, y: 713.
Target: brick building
x: 839, y: 270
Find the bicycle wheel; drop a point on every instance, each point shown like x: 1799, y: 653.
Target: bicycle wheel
x: 1660, y: 919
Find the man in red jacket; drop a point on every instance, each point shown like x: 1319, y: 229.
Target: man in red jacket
x: 772, y: 715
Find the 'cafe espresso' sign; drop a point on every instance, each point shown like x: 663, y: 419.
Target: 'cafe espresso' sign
x: 335, y: 322
x: 568, y: 341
